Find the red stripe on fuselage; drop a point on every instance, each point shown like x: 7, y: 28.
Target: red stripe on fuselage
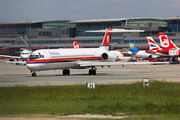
x: 64, y: 59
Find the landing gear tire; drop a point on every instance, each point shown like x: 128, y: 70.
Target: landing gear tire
x: 92, y: 71
x: 175, y: 60
x: 33, y: 74
x: 66, y: 72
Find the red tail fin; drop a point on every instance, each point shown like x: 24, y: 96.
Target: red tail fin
x: 76, y: 46
x: 107, y: 39
x: 166, y: 43
x: 159, y: 34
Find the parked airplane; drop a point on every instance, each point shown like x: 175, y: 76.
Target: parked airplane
x: 166, y: 42
x: 139, y: 53
x: 120, y: 56
x: 75, y: 44
x: 24, y: 55
x: 170, y: 47
x: 52, y: 59
x: 154, y: 48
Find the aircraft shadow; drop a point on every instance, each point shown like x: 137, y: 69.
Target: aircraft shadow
x: 41, y: 75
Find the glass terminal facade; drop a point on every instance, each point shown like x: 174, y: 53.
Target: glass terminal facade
x: 55, y: 24
x: 14, y: 29
x: 145, y: 21
x: 173, y: 25
x: 81, y: 27
x: 84, y: 26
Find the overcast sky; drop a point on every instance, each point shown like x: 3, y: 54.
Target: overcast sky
x: 26, y: 10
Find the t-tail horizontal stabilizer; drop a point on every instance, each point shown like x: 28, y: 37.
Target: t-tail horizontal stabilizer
x: 116, y: 30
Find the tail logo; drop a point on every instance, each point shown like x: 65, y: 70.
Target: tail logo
x: 165, y: 42
x: 150, y: 41
x: 131, y: 45
x: 76, y: 46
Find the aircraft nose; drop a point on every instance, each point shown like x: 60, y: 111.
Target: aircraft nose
x: 30, y: 65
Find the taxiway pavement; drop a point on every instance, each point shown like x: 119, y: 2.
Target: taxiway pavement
x: 12, y: 75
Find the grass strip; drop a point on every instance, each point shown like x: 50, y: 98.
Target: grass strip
x: 161, y: 98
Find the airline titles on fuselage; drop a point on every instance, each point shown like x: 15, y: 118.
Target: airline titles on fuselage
x: 54, y: 53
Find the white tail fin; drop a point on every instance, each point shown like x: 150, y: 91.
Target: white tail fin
x: 152, y: 44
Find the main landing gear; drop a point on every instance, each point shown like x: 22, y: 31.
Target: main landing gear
x: 174, y: 60
x: 66, y: 72
x: 92, y: 71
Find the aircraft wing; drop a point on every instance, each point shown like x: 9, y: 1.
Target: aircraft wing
x: 8, y: 56
x: 89, y: 64
x: 16, y: 62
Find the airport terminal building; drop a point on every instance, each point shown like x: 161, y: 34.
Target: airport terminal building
x: 61, y: 33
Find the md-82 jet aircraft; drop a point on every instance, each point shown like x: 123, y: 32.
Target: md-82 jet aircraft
x: 65, y: 59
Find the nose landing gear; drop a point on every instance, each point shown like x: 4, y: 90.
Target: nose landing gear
x: 33, y: 73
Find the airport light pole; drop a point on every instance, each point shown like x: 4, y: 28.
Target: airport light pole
x: 177, y: 28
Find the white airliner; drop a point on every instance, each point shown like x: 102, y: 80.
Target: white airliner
x: 65, y: 59
x: 139, y: 53
x: 24, y: 55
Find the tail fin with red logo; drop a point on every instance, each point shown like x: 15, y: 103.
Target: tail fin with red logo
x: 152, y: 44
x: 107, y: 39
x: 166, y: 42
x: 75, y: 44
x: 108, y: 35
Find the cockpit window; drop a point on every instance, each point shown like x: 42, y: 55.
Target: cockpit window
x: 25, y: 53
x: 33, y: 57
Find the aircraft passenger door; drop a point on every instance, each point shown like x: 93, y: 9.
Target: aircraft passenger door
x: 45, y: 59
x: 95, y: 54
x: 46, y: 56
